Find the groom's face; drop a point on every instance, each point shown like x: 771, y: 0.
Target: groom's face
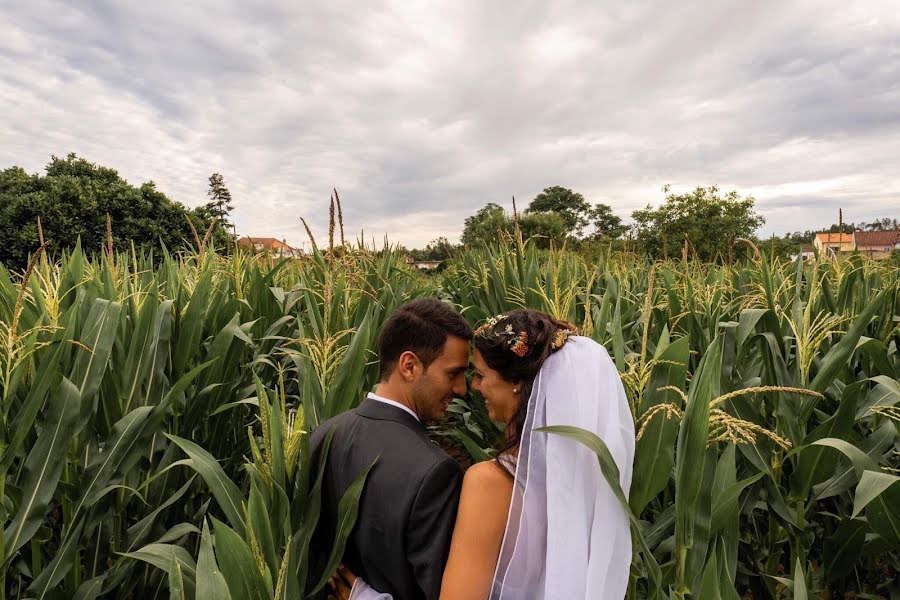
x: 443, y: 380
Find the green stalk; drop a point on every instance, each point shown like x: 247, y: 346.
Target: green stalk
x: 772, y: 561
x: 681, y: 588
x: 2, y: 546
x: 74, y: 575
x: 35, y: 557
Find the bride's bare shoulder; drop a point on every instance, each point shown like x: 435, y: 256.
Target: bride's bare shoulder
x: 488, y: 482
x: 483, y: 509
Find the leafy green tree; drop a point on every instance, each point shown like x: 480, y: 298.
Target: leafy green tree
x: 491, y: 223
x: 606, y: 224
x: 707, y: 220
x: 801, y: 237
x: 440, y: 250
x: 72, y: 200
x: 543, y: 228
x: 843, y: 228
x: 571, y: 206
x: 486, y: 226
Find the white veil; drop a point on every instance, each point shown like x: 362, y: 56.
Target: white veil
x: 567, y: 536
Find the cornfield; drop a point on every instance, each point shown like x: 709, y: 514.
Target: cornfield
x: 156, y: 412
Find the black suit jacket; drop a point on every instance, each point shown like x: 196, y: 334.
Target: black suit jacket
x: 408, y: 507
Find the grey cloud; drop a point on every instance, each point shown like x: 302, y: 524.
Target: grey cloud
x: 422, y: 114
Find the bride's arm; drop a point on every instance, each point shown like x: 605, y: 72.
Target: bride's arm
x: 478, y: 534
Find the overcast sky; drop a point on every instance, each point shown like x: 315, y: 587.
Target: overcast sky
x: 422, y: 112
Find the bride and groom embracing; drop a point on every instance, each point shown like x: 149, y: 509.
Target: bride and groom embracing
x: 539, y: 521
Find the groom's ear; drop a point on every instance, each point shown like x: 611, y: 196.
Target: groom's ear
x: 409, y: 366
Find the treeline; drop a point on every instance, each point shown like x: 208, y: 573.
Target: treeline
x: 705, y: 223
x: 72, y: 199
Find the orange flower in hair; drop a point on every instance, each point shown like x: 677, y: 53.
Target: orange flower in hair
x: 519, y: 345
x: 560, y: 337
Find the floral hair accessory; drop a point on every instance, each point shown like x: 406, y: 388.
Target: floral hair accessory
x: 516, y: 341
x: 520, y: 345
x: 489, y: 324
x: 560, y: 337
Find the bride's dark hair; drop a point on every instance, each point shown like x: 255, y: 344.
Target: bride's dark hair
x: 516, y: 344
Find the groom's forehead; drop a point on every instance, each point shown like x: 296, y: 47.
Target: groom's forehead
x: 456, y: 350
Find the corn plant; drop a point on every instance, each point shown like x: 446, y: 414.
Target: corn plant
x: 154, y: 412
x: 765, y: 399
x: 108, y: 360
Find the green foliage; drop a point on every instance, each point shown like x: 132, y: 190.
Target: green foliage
x: 704, y: 219
x: 491, y: 223
x: 545, y: 229
x: 219, y: 204
x: 571, y: 206
x: 154, y: 419
x: 607, y: 225
x: 72, y: 200
x: 126, y: 393
x: 439, y: 250
x: 765, y: 398
x: 882, y: 224
x: 554, y: 216
x: 486, y: 226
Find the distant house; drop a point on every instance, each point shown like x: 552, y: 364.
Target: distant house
x: 877, y: 244
x: 275, y: 247
x: 427, y: 265
x: 422, y: 265
x: 831, y: 244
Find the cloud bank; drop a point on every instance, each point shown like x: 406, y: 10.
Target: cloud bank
x: 422, y: 112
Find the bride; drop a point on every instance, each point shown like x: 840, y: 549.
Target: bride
x: 539, y: 521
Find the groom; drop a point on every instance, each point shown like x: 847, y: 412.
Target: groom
x: 408, y: 508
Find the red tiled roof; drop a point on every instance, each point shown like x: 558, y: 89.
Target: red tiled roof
x: 877, y: 238
x: 267, y: 242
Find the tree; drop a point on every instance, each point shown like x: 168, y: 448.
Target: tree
x: 708, y: 221
x: 491, y: 223
x: 73, y: 198
x: 486, y: 226
x: 801, y: 237
x: 543, y: 228
x: 842, y: 228
x: 219, y: 205
x: 883, y: 224
x: 571, y: 206
x: 606, y: 224
x: 437, y: 250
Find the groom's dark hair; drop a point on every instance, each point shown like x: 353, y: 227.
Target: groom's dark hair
x: 420, y: 326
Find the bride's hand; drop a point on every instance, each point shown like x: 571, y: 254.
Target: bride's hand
x: 341, y: 584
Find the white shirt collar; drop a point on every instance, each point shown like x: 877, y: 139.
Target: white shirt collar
x: 377, y: 398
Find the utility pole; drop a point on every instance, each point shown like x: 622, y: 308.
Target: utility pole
x: 840, y: 230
